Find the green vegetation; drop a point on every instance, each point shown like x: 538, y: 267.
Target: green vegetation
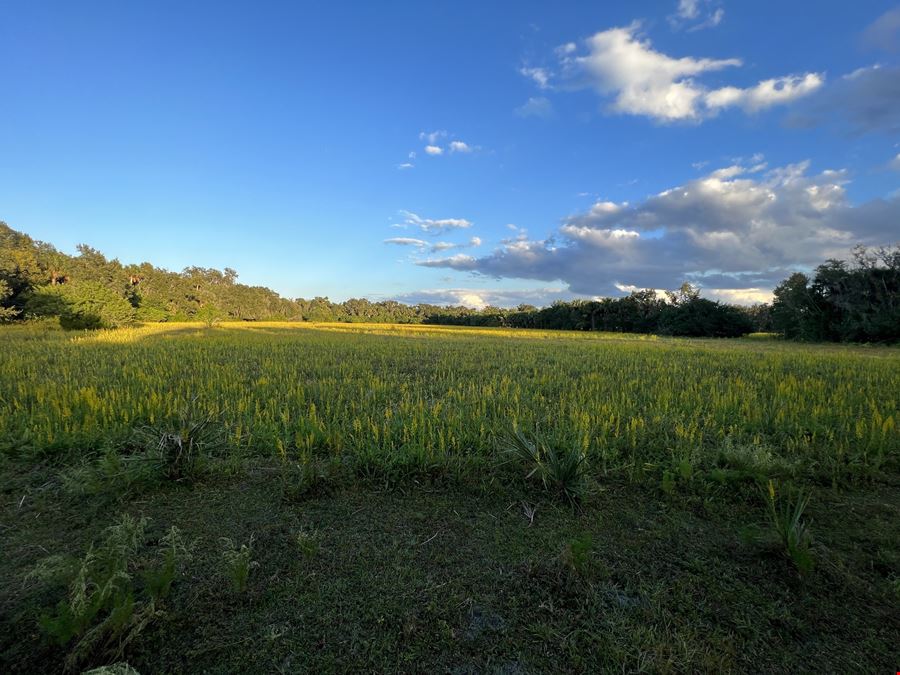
x: 857, y: 302
x: 399, y: 498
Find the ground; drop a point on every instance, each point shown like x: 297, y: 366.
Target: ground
x: 362, y: 478
x: 459, y: 579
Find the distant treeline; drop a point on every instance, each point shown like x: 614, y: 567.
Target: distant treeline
x: 857, y: 301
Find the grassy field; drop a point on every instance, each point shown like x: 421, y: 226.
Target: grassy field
x: 416, y: 498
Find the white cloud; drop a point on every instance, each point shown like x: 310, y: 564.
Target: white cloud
x: 639, y: 80
x: 540, y: 76
x: 733, y: 231
x: 430, y: 225
x: 536, y: 106
x: 479, y: 298
x: 696, y: 14
x: 738, y: 296
x: 405, y: 165
x: 406, y: 241
x: 765, y: 94
x: 432, y: 137
x: 895, y: 163
x: 459, y: 146
x: 474, y: 242
x: 434, y: 150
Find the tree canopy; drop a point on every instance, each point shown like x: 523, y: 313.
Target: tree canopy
x: 855, y: 301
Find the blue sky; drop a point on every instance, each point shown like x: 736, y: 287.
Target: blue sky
x: 585, y: 148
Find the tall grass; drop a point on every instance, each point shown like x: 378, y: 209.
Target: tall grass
x: 396, y: 395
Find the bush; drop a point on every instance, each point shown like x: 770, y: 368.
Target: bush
x: 82, y: 305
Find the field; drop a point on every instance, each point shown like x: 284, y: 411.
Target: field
x: 451, y: 499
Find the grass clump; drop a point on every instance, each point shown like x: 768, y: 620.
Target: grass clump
x: 562, y: 471
x: 107, y: 607
x: 179, y: 451
x: 238, y: 562
x: 786, y: 518
x: 308, y: 542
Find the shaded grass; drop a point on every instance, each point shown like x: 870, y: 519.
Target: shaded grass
x: 458, y: 579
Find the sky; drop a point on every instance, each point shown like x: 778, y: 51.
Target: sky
x: 456, y: 152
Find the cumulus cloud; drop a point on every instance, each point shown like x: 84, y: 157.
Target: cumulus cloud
x: 623, y: 67
x: 479, y: 298
x: 733, y: 232
x: 435, y: 144
x: 696, y: 15
x: 431, y: 225
x: 866, y: 100
x: 884, y: 32
x: 895, y: 163
x: 536, y: 106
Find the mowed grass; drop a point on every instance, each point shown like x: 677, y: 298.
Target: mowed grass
x: 386, y: 528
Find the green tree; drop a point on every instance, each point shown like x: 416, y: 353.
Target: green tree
x: 82, y: 305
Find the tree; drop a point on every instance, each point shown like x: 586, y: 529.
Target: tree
x: 210, y: 315
x: 7, y: 313
x: 82, y: 305
x: 699, y: 317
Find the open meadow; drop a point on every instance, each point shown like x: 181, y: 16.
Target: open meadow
x: 285, y: 497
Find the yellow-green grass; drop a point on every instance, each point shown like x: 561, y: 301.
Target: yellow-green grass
x: 432, y: 394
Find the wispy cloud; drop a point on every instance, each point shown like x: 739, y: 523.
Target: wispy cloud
x: 696, y: 15
x: 432, y: 225
x: 459, y: 146
x: 436, y: 247
x: 536, y: 106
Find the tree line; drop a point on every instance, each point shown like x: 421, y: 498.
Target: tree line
x: 857, y: 300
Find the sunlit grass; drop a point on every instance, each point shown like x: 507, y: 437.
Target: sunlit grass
x: 435, y: 394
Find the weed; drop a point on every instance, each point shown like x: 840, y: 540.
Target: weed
x: 308, y: 543
x: 561, y: 471
x: 238, y: 562
x: 105, y: 609
x: 307, y: 479
x: 180, y: 452
x: 577, y: 554
x: 786, y: 516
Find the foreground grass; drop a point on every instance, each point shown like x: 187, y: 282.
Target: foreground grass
x: 345, y: 498
x: 460, y: 579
